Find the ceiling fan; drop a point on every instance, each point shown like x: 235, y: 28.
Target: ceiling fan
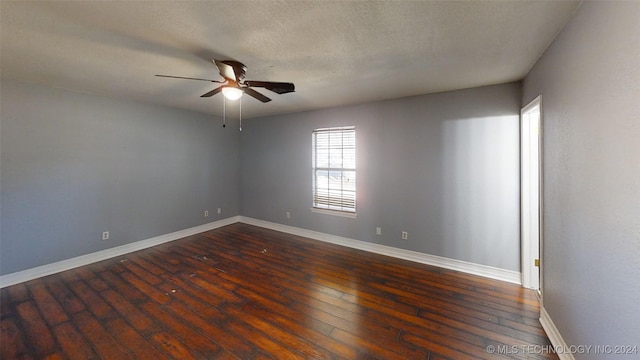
x: 234, y: 84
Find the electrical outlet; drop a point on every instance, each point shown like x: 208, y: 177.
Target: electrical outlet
x: 219, y: 210
x: 288, y: 215
x: 206, y: 213
x: 378, y: 231
x: 105, y: 235
x: 405, y: 236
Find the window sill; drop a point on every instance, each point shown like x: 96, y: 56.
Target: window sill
x: 335, y: 213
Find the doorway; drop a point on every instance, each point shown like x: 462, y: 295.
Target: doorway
x: 531, y: 190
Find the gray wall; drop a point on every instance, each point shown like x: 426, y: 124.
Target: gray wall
x: 443, y: 167
x: 75, y: 165
x: 590, y: 84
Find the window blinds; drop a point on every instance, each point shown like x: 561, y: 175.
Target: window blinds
x: 334, y: 168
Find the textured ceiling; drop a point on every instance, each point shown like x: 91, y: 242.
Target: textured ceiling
x: 336, y: 52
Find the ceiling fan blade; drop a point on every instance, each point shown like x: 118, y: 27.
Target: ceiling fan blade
x: 226, y: 70
x: 276, y: 87
x: 212, y: 92
x: 255, y: 94
x: 189, y: 78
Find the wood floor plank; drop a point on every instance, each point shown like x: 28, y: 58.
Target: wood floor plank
x: 17, y: 293
x: 65, y: 297
x: 214, y: 289
x: 320, y: 338
x: 245, y: 292
x: 141, y: 322
x: 6, y: 306
x: 262, y: 341
x: 141, y: 272
x: 225, y: 355
x: 386, y: 349
x: 196, y: 342
x: 352, y: 323
x: 144, y: 287
x: 205, y: 323
x: 37, y: 334
x: 173, y: 346
x: 49, y: 307
x: 10, y: 334
x: 91, y: 299
x: 146, y: 263
x: 162, y: 257
x: 297, y: 312
x: 104, y: 344
x: 206, y: 307
x: 73, y: 343
x: 437, y: 348
x: 283, y: 336
x: 126, y: 290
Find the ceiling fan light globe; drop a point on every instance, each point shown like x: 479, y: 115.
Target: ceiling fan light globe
x: 231, y: 93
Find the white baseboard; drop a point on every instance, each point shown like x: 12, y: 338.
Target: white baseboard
x: 554, y: 335
x: 44, y: 270
x: 452, y: 264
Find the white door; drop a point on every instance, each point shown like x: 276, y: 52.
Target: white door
x: 530, y: 178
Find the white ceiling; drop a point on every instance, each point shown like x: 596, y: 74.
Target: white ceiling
x: 336, y: 52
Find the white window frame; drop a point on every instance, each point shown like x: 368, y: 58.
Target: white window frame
x: 334, y: 197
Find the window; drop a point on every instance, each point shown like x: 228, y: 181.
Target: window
x: 334, y: 169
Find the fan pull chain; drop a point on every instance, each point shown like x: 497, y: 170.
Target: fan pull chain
x: 224, y: 112
x: 240, y: 114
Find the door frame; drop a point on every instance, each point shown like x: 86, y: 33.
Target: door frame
x: 529, y: 246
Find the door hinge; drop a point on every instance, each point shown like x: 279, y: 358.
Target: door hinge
x: 536, y: 262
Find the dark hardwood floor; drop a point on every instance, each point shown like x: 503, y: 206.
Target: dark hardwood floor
x: 244, y: 292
